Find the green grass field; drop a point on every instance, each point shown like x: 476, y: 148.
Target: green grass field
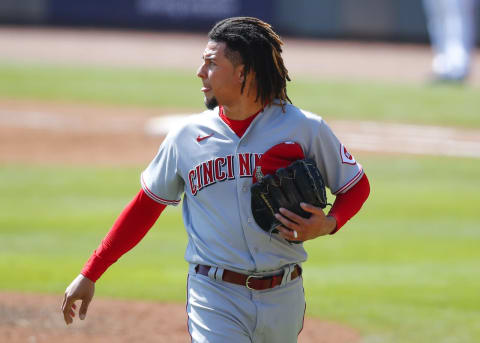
x: 406, y: 269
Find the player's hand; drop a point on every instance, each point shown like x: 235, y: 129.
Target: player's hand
x: 297, y: 228
x: 82, y: 289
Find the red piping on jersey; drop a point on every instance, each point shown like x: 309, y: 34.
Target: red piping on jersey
x: 352, y: 181
x: 156, y: 197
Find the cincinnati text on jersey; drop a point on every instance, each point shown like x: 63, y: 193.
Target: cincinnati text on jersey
x: 220, y: 169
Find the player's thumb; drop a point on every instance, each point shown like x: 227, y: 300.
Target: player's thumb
x: 82, y: 313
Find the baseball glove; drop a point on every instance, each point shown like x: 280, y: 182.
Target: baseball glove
x: 299, y: 182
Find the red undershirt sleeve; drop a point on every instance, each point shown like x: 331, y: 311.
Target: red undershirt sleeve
x: 128, y: 230
x: 346, y: 205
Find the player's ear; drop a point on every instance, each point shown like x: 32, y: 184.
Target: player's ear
x: 240, y: 71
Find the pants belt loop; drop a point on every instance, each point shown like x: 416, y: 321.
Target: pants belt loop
x: 212, y: 272
x: 287, y: 272
x: 219, y: 274
x: 216, y: 273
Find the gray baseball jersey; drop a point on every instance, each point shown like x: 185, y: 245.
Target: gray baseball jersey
x: 212, y: 167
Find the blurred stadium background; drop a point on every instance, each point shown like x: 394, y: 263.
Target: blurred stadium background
x: 89, y: 88
x: 368, y: 19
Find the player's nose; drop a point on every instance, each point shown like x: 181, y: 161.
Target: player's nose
x: 201, y: 71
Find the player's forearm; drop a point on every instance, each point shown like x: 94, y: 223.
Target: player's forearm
x: 128, y: 230
x: 348, y: 204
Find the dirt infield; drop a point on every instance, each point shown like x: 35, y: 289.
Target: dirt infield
x: 47, y: 132
x: 33, y: 318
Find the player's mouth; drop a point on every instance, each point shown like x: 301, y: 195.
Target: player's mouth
x: 206, y: 89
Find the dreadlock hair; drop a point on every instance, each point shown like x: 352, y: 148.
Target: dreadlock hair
x: 254, y: 43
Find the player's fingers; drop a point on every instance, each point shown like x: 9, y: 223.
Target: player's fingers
x: 67, y: 310
x: 82, y: 313
x: 312, y: 209
x: 283, y: 230
x: 286, y: 222
x: 291, y: 215
x: 291, y: 235
x: 67, y: 317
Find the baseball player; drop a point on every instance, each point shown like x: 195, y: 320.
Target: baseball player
x: 451, y: 25
x: 244, y: 284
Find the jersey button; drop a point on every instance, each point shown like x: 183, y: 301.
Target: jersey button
x: 250, y: 220
x: 244, y: 188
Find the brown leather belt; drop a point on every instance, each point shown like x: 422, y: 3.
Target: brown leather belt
x: 255, y: 282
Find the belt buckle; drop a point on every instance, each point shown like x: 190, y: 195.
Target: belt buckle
x: 248, y: 280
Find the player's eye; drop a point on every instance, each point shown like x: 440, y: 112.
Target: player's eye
x: 209, y: 63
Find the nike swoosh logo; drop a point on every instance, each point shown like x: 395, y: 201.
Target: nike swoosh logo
x: 199, y: 139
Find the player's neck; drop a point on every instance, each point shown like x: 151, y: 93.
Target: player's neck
x: 241, y: 110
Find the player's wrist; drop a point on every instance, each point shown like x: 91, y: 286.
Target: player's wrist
x: 85, y: 277
x: 332, y: 224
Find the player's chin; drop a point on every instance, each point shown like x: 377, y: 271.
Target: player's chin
x: 211, y: 103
